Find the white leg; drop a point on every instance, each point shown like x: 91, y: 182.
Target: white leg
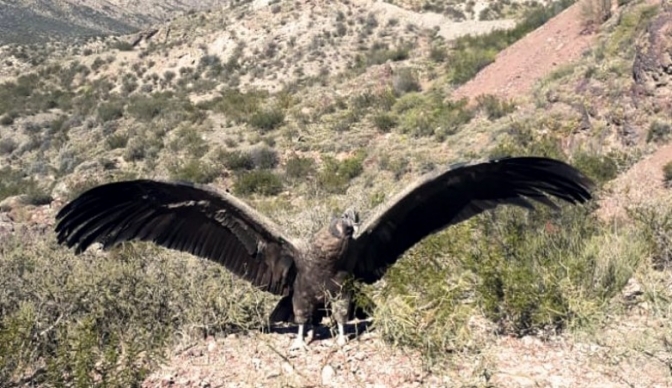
x: 342, y: 339
x: 299, y: 342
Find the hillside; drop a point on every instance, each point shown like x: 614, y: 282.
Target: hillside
x: 303, y: 111
x: 34, y: 21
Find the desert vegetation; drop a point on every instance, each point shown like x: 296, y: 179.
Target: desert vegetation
x: 348, y: 113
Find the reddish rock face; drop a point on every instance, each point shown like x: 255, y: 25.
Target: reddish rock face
x: 652, y: 68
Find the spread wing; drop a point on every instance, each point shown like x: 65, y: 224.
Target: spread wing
x: 454, y: 195
x: 183, y: 217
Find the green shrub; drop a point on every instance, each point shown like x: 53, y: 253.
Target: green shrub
x: 530, y: 273
x: 263, y: 182
x: 600, y: 168
x: 667, y: 174
x: 659, y: 132
x: 384, y: 122
x: 108, y: 319
x: 299, y: 167
x: 97, y: 63
x: 189, y: 140
x: 236, y: 160
x: 122, y: 46
x: 7, y: 119
x: 14, y: 182
x: 267, y: 119
x: 264, y: 158
x: 493, y: 107
x: 115, y: 141
x: 465, y: 65
x: 335, y: 176
x: 7, y: 146
x: 146, y: 108
x: 428, y: 115
x: 109, y: 111
x: 193, y: 170
x: 236, y: 105
x: 405, y: 81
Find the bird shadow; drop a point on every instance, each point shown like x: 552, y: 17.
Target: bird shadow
x: 326, y: 331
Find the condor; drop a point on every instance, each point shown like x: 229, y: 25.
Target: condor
x: 223, y: 229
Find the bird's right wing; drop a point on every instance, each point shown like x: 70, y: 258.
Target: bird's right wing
x: 454, y: 195
x: 183, y: 217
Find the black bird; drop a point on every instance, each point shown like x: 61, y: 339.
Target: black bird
x: 223, y: 229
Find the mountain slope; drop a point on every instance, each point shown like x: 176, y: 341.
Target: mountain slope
x: 30, y: 21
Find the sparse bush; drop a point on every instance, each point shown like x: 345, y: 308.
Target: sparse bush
x: 659, y: 132
x: 438, y: 54
x: 188, y: 139
x: 237, y: 161
x: 13, y: 182
x: 135, y: 150
x: 238, y: 106
x: 600, y: 168
x: 108, y: 320
x: 263, y: 182
x: 115, y: 141
x: 384, y: 122
x: 299, y: 167
x: 97, y: 63
x: 422, y: 115
x: 7, y: 119
x: 264, y: 158
x: 335, y: 176
x: 37, y: 196
x: 109, y: 111
x: 193, y: 170
x: 494, y: 107
x: 405, y: 81
x: 7, y: 146
x: 379, y: 54
x: 667, y: 174
x: 595, y: 12
x: 397, y: 165
x: 524, y: 275
x: 267, y: 119
x: 122, y: 45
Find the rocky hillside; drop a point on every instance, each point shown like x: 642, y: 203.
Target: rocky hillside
x: 32, y: 21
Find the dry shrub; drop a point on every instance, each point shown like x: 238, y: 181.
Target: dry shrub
x: 106, y: 319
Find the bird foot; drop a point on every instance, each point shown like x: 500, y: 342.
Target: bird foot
x: 298, y: 344
x: 342, y: 340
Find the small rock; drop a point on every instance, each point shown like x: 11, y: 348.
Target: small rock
x: 287, y: 368
x: 632, y: 290
x: 12, y: 202
x: 328, y: 374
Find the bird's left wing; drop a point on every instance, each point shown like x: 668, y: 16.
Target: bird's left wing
x: 183, y: 217
x: 447, y: 197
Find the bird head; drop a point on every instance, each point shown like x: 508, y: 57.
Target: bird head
x: 346, y: 225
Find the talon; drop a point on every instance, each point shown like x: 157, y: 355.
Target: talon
x: 342, y: 338
x: 298, y: 344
